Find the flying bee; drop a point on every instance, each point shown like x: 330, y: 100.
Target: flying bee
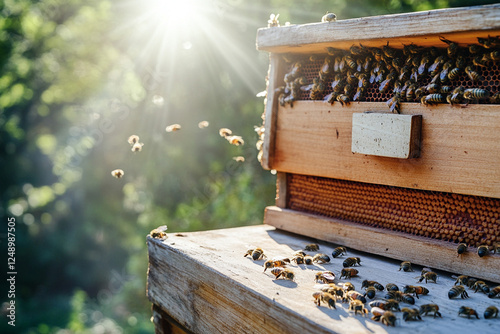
x: 137, y: 147
x: 480, y: 285
x: 494, y: 292
x: 417, y: 290
x: 429, y: 276
x: 411, y: 314
x: 357, y: 306
x: 430, y: 308
x: 432, y: 99
x: 354, y: 295
x: 321, y: 258
x: 311, y: 247
x: 173, y: 128
x: 203, y: 124
x: 474, y: 94
x: 325, y: 277
x: 235, y: 140
x: 400, y: 296
x: 473, y: 75
x: 308, y: 260
x: 491, y: 312
x: 329, y: 17
x: 273, y: 263
x: 133, y: 139
x: 348, y: 273
x: 159, y: 232
x: 117, y: 173
x: 351, y: 261
x: 462, y: 279
x: 225, y: 132
x: 467, y: 311
x: 375, y: 284
x: 239, y: 158
x: 370, y: 292
x: 452, y: 48
x: 325, y: 297
x: 343, y: 99
x: 392, y: 286
x: 406, y: 266
x: 273, y: 21
x: 482, y: 250
x: 456, y: 291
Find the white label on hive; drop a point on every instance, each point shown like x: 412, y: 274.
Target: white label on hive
x: 386, y: 135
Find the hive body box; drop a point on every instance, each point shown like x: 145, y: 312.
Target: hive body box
x: 415, y: 205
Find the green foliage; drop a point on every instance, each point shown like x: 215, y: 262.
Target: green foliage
x: 77, y: 78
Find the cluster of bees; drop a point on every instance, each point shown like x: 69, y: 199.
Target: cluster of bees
x: 384, y: 309
x: 225, y: 133
x: 482, y: 250
x: 400, y: 72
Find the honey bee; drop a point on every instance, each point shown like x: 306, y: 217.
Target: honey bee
x: 474, y: 94
x: 430, y: 308
x: 470, y: 282
x: 348, y: 286
x: 235, y: 140
x: 495, y: 98
x: 348, y: 273
x: 479, y: 61
x: 118, y: 173
x: 400, y: 296
x: 325, y: 277
x: 225, y: 132
x: 467, y: 311
x: 386, y: 83
x: 423, y: 64
x: 454, y: 98
x: 410, y: 92
x: 283, y: 272
x: 354, y: 295
x: 443, y: 75
x: 429, y: 276
x: 388, y: 305
x: 406, y: 266
x: 461, y: 248
x: 298, y: 259
x: 417, y: 290
x: 491, y: 312
x: 173, y: 128
x: 453, y: 73
x: 203, y: 124
x: 357, y: 306
x: 273, y: 21
x: 494, y: 292
x: 325, y: 297
x: 317, y: 89
x: 375, y: 284
x: 489, y: 42
x: 370, y: 292
x: 275, y: 263
x: 386, y: 317
x: 339, y: 251
x: 432, y: 99
x: 482, y: 250
x: 394, y: 103
x: 311, y: 247
x: 299, y: 252
x: 137, y: 147
x: 360, y: 93
x: 256, y: 254
x: 496, y: 247
x: 239, y: 159
x: 456, y: 291
x: 391, y: 287
x: 452, y: 48
x: 343, y: 99
x: 435, y: 67
x: 462, y: 279
x: 159, y: 232
x: 473, y: 75
x: 351, y: 261
x: 350, y: 62
x: 133, y: 139
x: 411, y: 314
x: 308, y: 260
x: 494, y: 55
x: 480, y: 285
x: 321, y: 258
x: 329, y: 17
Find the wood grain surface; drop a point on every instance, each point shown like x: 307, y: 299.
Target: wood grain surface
x: 203, y: 281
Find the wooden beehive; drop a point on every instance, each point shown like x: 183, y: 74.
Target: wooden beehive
x: 416, y: 205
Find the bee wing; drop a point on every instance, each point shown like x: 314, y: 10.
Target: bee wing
x: 306, y: 88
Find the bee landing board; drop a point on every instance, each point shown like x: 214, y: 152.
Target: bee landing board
x: 386, y: 135
x: 442, y: 186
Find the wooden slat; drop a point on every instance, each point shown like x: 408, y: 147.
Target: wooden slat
x: 281, y: 190
x: 401, y: 246
x: 275, y: 79
x: 459, y: 152
x: 422, y: 28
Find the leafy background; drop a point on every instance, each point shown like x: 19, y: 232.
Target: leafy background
x: 76, y: 79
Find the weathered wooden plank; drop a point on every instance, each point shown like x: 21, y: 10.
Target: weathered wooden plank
x: 422, y: 28
x: 458, y: 153
x: 275, y: 79
x: 396, y: 245
x: 281, y: 190
x: 386, y: 135
x: 204, y: 281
